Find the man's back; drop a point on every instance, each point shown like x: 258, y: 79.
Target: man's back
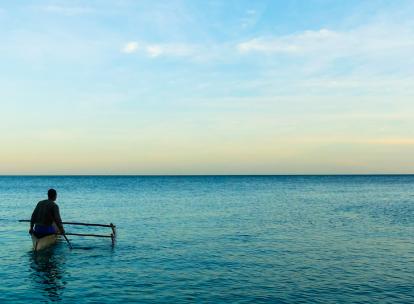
x: 45, y: 213
x: 46, y: 217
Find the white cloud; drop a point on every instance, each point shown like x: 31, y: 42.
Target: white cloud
x: 367, y: 51
x: 295, y: 44
x: 376, y: 47
x: 154, y: 50
x: 130, y: 47
x: 161, y: 49
x: 365, y: 40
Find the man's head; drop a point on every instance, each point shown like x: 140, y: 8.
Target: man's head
x: 52, y: 194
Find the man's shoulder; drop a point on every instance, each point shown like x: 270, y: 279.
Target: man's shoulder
x: 47, y: 202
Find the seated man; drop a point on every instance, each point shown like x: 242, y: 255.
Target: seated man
x: 46, y: 217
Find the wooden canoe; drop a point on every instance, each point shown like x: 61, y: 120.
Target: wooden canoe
x: 44, y: 242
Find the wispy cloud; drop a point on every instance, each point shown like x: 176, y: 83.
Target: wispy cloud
x: 371, y: 39
x: 250, y: 19
x: 130, y: 47
x: 380, y: 85
x: 154, y: 50
x: 294, y: 44
x: 375, y: 57
x: 366, y: 45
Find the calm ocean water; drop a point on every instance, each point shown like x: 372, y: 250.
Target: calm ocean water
x: 223, y: 239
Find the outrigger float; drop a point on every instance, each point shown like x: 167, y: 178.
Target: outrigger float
x: 43, y: 242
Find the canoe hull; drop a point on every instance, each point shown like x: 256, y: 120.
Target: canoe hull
x: 44, y: 242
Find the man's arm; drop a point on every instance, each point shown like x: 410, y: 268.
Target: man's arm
x: 32, y: 220
x: 58, y: 220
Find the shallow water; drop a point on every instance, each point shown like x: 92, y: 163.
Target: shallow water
x: 238, y: 239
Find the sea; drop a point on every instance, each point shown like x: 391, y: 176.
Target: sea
x: 213, y: 239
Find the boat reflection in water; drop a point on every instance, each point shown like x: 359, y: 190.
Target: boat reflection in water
x: 47, y: 272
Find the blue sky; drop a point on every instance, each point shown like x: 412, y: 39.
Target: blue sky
x: 206, y: 87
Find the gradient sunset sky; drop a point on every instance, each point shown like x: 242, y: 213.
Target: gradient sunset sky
x: 207, y: 87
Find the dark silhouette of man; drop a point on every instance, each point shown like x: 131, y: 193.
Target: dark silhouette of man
x: 46, y: 217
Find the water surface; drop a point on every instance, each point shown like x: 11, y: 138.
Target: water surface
x: 215, y: 239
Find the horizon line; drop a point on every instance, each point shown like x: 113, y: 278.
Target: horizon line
x: 202, y: 175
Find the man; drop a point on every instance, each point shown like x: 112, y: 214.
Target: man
x: 46, y: 217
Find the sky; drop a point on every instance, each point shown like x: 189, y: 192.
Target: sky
x: 207, y: 87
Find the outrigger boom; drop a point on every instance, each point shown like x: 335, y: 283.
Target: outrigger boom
x: 112, y: 226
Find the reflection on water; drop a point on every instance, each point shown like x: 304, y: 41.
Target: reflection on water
x: 47, y: 272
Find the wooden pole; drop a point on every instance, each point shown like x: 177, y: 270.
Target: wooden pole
x: 86, y: 234
x: 113, y: 235
x: 70, y: 245
x: 87, y: 224
x: 81, y: 224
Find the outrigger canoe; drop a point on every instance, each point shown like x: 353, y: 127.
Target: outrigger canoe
x: 44, y: 242
x: 48, y: 240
